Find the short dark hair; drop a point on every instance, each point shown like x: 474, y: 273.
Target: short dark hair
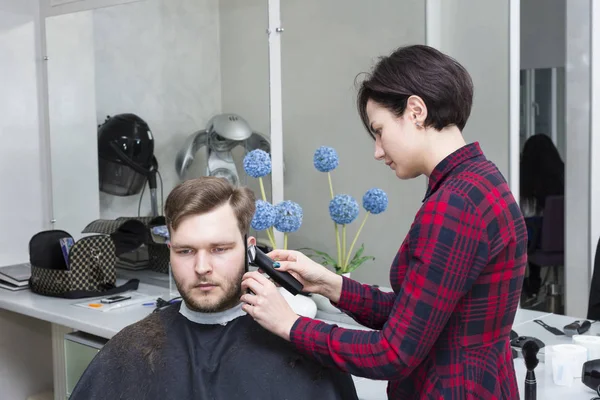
x: 444, y: 85
x: 201, y: 195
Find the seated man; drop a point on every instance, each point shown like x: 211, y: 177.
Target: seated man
x: 207, y: 347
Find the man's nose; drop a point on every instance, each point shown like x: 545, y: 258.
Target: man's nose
x: 202, y: 264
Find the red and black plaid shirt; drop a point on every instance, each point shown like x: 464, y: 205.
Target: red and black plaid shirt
x: 457, y: 278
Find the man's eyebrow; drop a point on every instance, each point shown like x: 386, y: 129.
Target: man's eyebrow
x: 187, y: 246
x: 180, y: 246
x: 222, y: 244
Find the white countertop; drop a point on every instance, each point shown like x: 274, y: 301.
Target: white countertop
x: 107, y: 324
x: 558, y: 321
x: 63, y: 312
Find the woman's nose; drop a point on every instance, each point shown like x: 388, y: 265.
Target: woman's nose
x: 379, y: 154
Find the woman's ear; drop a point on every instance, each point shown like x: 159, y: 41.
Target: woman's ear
x: 416, y: 110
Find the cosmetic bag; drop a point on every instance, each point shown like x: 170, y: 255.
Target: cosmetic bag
x: 84, y: 269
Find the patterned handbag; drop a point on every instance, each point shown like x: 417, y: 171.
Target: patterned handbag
x: 87, y: 271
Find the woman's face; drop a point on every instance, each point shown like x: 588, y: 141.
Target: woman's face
x: 398, y: 141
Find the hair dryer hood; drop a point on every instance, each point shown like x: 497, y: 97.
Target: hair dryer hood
x: 223, y: 132
x: 229, y: 126
x: 125, y: 149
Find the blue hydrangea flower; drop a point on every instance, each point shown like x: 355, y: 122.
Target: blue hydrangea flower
x: 289, y: 216
x: 375, y: 201
x: 264, y: 216
x: 325, y: 159
x: 257, y: 163
x: 343, y: 209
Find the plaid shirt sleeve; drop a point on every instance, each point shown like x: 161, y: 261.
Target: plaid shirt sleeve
x: 447, y: 250
x: 367, y: 305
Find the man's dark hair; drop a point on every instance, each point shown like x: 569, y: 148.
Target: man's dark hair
x: 202, y: 195
x: 439, y: 80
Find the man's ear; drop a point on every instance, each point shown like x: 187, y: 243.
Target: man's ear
x: 251, y: 241
x: 416, y: 110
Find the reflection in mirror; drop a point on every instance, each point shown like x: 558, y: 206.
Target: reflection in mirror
x: 152, y: 74
x: 542, y: 185
x: 543, y: 105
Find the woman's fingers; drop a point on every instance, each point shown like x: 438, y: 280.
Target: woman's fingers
x: 282, y: 255
x: 255, y: 281
x: 251, y: 284
x: 290, y: 266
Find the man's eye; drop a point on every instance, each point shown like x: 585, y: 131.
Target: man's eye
x: 184, y: 252
x: 219, y: 250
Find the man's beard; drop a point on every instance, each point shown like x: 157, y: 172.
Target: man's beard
x: 232, y: 291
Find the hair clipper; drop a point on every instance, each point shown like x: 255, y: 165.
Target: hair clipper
x: 283, y: 278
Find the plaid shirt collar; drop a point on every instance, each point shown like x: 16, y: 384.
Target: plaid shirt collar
x: 443, y: 169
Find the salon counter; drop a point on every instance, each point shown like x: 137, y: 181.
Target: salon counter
x: 65, y: 317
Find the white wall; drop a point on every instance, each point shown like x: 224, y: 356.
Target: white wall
x: 595, y: 133
x: 22, y: 198
x: 160, y: 60
x: 22, y: 210
x: 578, y: 254
x: 543, y: 29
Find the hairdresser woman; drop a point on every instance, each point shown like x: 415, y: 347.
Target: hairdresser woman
x: 444, y: 331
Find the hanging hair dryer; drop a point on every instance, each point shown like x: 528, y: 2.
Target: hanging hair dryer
x: 126, y: 157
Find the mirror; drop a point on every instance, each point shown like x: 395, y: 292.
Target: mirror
x: 326, y: 45
x: 174, y: 64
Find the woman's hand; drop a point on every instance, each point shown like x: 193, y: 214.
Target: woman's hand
x: 314, y: 277
x: 266, y: 305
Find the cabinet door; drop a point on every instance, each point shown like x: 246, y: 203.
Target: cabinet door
x: 77, y: 358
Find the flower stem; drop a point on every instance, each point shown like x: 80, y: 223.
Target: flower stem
x: 356, y: 237
x: 330, y: 184
x: 285, y: 236
x: 339, y: 248
x: 337, y: 232
x: 343, y: 247
x: 271, y: 238
x: 262, y: 189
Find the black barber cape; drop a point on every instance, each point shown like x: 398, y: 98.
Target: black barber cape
x: 166, y: 356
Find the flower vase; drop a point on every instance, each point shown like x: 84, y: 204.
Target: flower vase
x: 300, y: 304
